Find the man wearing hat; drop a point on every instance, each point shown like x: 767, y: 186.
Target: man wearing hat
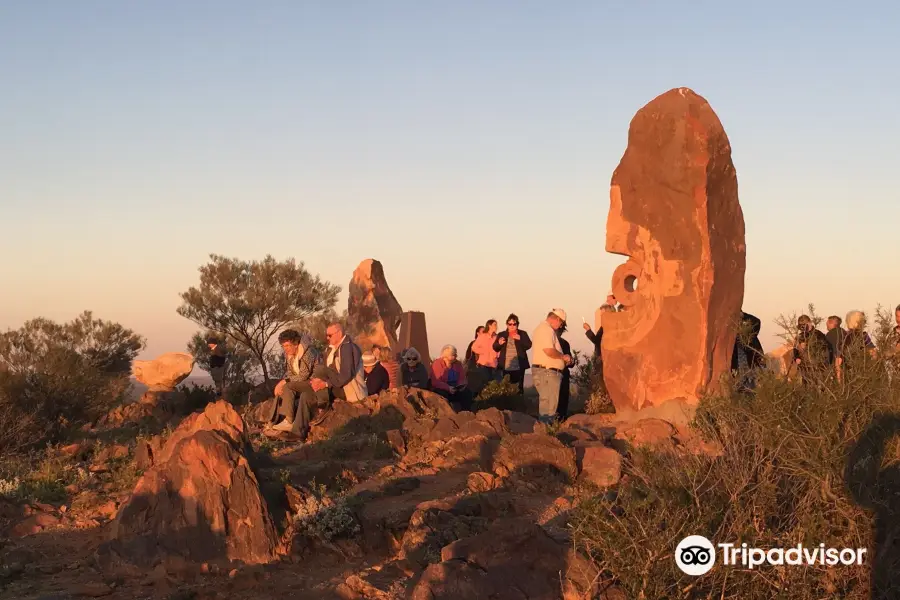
x: 548, y: 363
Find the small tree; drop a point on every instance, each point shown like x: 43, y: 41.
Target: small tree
x: 53, y: 375
x: 252, y: 301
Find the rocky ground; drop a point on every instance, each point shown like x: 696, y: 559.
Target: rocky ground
x: 396, y: 497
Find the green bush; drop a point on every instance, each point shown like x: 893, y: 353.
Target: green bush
x: 57, y: 376
x: 779, y: 481
x: 501, y: 394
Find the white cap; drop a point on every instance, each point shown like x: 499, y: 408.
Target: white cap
x: 559, y: 313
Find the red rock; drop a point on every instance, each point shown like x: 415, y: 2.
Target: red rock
x: 107, y: 510
x: 71, y: 449
x: 598, y: 464
x: 164, y: 372
x: 373, y: 313
x: 514, y: 558
x: 200, y: 501
x: 394, y: 438
x: 674, y: 212
x: 92, y: 590
x: 481, y: 482
x: 533, y: 454
x: 654, y: 433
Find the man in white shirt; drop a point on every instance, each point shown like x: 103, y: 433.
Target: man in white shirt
x: 548, y: 363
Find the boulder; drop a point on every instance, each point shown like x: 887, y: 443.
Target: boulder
x: 653, y: 433
x: 534, y: 454
x: 413, y: 334
x: 513, y: 558
x: 598, y: 464
x: 164, y: 372
x: 199, y: 501
x: 674, y: 212
x: 373, y: 313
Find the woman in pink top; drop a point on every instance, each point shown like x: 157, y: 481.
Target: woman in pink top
x: 484, y: 348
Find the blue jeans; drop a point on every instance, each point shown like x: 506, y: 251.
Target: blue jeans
x: 547, y: 383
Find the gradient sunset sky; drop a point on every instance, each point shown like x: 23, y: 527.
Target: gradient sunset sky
x: 467, y: 145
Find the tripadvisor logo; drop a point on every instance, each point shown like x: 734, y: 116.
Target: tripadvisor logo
x: 696, y: 555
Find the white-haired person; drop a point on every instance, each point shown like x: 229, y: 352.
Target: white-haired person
x: 855, y: 343
x: 413, y: 372
x: 448, y: 378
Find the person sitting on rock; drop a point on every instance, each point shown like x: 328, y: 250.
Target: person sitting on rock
x: 343, y: 377
x: 217, y: 358
x: 376, y: 376
x: 414, y: 372
x: 390, y: 364
x: 448, y: 379
x: 294, y: 395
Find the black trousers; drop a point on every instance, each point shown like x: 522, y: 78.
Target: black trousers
x: 517, y: 377
x: 562, y: 409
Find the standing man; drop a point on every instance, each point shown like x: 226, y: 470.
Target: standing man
x: 548, y: 363
x: 217, y: 358
x: 562, y: 409
x: 812, y: 353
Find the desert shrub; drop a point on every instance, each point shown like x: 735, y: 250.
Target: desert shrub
x: 587, y: 375
x: 196, y: 397
x: 796, y: 459
x: 55, y: 376
x: 501, y: 394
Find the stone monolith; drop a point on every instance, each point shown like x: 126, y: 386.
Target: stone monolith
x: 674, y: 212
x: 372, y: 310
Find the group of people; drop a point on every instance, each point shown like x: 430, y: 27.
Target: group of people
x: 312, y: 381
x: 816, y: 354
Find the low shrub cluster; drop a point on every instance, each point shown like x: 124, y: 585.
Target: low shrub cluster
x: 809, y: 462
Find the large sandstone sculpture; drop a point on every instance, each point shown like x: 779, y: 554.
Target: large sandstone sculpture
x: 674, y: 212
x: 164, y: 372
x: 414, y: 334
x: 199, y: 500
x: 372, y: 310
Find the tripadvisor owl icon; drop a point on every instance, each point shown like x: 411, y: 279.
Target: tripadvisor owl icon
x: 695, y: 555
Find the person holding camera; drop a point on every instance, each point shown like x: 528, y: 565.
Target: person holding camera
x: 812, y: 352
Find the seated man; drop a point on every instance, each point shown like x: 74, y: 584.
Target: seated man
x: 343, y: 376
x: 295, y: 397
x: 448, y: 378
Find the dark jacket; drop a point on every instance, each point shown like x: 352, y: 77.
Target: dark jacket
x: 417, y: 378
x: 566, y: 349
x: 471, y: 357
x: 595, y: 339
x: 818, y: 351
x: 351, y: 358
x: 747, y: 341
x: 835, y: 339
x: 523, y: 345
x: 217, y: 356
x: 377, y: 380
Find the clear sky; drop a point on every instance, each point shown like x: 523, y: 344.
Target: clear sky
x: 466, y: 145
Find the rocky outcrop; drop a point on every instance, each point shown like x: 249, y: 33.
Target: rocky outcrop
x: 200, y: 500
x: 674, y: 212
x: 373, y: 313
x: 513, y: 558
x: 164, y: 372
